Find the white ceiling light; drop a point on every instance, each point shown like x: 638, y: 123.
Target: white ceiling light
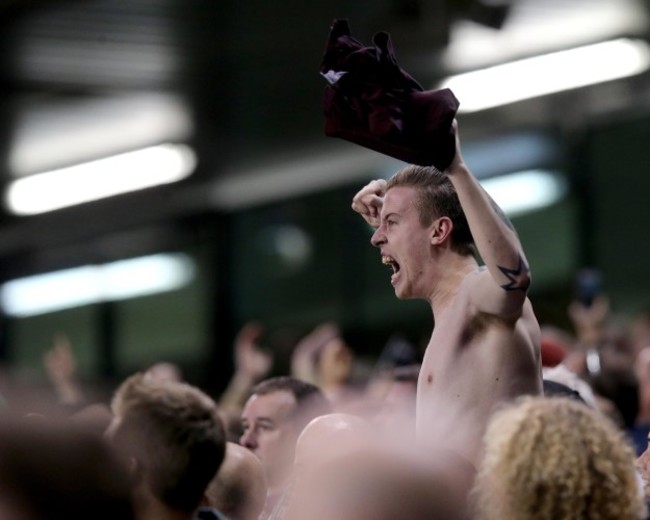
x: 549, y: 73
x: 85, y: 285
x: 99, y: 179
x: 536, y: 27
x: 49, y: 134
x: 526, y: 191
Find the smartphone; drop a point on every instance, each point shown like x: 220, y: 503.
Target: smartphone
x: 589, y: 285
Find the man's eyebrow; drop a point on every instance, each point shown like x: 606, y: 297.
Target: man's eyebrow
x: 265, y: 420
x: 391, y: 214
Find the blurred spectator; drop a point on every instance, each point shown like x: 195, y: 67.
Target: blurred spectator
x: 325, y: 438
x: 643, y: 467
x: 556, y: 459
x: 54, y: 471
x: 275, y: 414
x: 334, y: 363
x: 603, y: 358
x: 555, y: 346
x: 643, y: 464
x: 640, y: 331
x: 641, y: 429
x: 374, y: 485
x: 304, y: 362
x: 252, y: 364
x: 239, y: 488
x: 642, y: 371
x: 328, y: 437
x: 396, y: 417
x: 324, y: 359
x: 555, y: 389
x: 175, y: 441
x: 563, y: 376
x: 61, y: 368
x: 165, y: 371
x: 397, y: 353
x: 95, y: 418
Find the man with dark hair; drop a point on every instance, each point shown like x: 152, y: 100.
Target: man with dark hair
x: 273, y: 417
x: 175, y: 440
x: 485, y: 347
x: 59, y: 470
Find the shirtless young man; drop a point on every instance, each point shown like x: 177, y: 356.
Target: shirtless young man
x: 484, y: 350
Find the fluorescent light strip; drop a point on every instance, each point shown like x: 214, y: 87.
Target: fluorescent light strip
x: 86, y: 285
x: 526, y: 191
x: 99, y: 179
x: 555, y: 72
x: 79, y: 130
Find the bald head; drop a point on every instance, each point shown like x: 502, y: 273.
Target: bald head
x: 239, y: 488
x: 375, y: 485
x: 328, y: 437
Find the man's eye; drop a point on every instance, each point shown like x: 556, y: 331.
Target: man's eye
x: 391, y: 222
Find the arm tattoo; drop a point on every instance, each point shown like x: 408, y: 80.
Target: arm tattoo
x: 519, y: 279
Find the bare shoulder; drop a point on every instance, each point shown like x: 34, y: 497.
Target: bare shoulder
x: 473, y: 281
x: 471, y: 290
x: 483, y: 294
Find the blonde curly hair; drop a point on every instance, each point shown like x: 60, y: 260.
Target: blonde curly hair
x: 556, y: 459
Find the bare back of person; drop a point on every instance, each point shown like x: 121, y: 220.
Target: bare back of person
x: 474, y: 363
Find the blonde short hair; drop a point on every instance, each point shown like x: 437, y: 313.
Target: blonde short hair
x: 556, y: 459
x: 436, y: 197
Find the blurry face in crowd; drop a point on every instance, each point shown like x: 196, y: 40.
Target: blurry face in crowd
x: 404, y: 242
x: 335, y: 362
x: 269, y: 432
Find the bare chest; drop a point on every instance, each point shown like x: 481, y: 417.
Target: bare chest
x: 462, y: 350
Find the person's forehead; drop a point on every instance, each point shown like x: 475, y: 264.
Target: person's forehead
x: 399, y: 199
x: 275, y: 405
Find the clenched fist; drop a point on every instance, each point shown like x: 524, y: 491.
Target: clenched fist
x: 369, y: 200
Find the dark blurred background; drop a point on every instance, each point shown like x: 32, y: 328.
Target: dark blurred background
x: 259, y: 227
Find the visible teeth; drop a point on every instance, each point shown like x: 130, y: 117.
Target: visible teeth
x: 387, y: 260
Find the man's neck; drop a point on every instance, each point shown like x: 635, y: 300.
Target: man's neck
x: 274, y: 497
x: 278, y: 486
x: 453, y: 269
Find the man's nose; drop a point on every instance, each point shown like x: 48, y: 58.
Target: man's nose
x: 378, y: 238
x: 248, y: 440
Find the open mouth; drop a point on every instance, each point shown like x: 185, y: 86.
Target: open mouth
x: 390, y: 262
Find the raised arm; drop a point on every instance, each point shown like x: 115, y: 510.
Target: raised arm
x: 501, y: 289
x: 369, y: 201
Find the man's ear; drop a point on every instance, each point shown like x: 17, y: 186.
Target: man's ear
x: 441, y: 229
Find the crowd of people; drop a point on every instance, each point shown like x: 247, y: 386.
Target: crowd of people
x: 498, y: 419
